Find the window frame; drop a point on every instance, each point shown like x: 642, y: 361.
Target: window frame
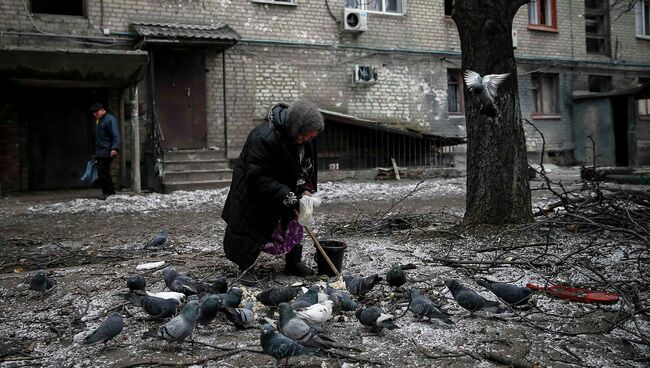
x: 643, y: 101
x: 642, y: 15
x: 552, y: 4
x: 537, y: 80
x: 603, y: 15
x: 277, y: 2
x: 363, y: 5
x: 460, y: 97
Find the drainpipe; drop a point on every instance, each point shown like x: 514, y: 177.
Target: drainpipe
x: 135, y: 132
x: 123, y: 133
x: 225, y: 113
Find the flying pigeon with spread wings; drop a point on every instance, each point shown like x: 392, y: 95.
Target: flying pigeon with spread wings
x: 485, y: 88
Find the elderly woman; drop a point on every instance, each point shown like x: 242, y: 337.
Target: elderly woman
x: 277, y: 166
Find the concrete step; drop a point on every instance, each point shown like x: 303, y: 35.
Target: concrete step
x: 192, y: 155
x: 196, y: 185
x: 173, y: 177
x: 182, y: 165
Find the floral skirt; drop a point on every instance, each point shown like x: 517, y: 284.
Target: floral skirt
x: 283, y: 240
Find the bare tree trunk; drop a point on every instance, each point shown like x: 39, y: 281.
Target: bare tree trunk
x: 497, y: 167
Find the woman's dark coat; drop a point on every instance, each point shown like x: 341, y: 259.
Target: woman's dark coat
x: 267, y: 169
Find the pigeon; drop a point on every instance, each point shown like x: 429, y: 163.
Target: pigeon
x: 242, y: 318
x: 179, y: 327
x: 281, y: 347
x: 298, y: 330
x: 159, y: 240
x: 155, y: 307
x: 485, y: 88
x: 470, y: 299
x: 136, y: 282
x: 396, y: 276
x: 41, y: 283
x: 342, y: 300
x: 184, y: 284
x: 275, y: 296
x: 360, y: 286
x: 167, y: 295
x: 509, y: 293
x: 219, y: 286
x: 375, y: 318
x: 110, y: 328
x: 422, y: 307
x: 307, y: 299
x: 212, y: 304
x: 316, y: 314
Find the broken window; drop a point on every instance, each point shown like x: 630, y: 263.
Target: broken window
x: 384, y: 6
x: 454, y: 91
x: 59, y: 7
x: 542, y: 13
x: 644, y: 104
x: 545, y: 93
x: 642, y: 17
x: 449, y: 7
x: 599, y: 83
x: 597, y: 26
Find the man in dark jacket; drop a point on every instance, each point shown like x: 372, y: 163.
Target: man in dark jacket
x: 277, y: 166
x: 107, y: 145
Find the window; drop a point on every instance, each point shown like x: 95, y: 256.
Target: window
x: 599, y: 83
x: 545, y: 94
x: 59, y: 7
x: 597, y: 26
x: 644, y: 104
x: 643, y: 18
x: 383, y: 6
x: 455, y: 101
x: 542, y: 14
x: 449, y: 7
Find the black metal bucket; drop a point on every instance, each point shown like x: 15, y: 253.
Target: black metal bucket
x: 335, y: 250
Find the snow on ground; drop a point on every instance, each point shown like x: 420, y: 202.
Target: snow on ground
x: 186, y: 200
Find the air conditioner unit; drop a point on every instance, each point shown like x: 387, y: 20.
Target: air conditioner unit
x: 355, y: 20
x: 364, y: 75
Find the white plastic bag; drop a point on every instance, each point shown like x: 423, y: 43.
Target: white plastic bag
x: 306, y: 212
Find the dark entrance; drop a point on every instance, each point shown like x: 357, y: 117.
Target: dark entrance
x: 620, y: 121
x: 179, y: 84
x: 60, y: 135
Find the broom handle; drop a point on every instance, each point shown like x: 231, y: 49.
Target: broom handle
x: 321, y: 250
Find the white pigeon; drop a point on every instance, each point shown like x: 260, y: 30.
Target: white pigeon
x: 485, y: 88
x: 167, y: 295
x: 316, y: 314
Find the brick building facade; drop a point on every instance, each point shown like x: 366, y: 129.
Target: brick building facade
x: 298, y: 48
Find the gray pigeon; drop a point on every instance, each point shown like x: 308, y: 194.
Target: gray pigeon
x: 396, y: 276
x: 422, y: 307
x: 375, y: 318
x: 485, y: 88
x: 41, y: 283
x: 179, y: 327
x: 110, y: 328
x: 242, y: 318
x: 509, y: 293
x: 281, y: 347
x: 342, y: 300
x: 275, y: 296
x: 159, y: 240
x: 307, y: 299
x: 155, y: 307
x: 136, y: 282
x: 470, y: 299
x: 184, y: 284
x: 212, y: 304
x: 360, y: 286
x: 298, y: 330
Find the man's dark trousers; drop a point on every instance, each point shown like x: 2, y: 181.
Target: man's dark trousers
x: 104, y: 172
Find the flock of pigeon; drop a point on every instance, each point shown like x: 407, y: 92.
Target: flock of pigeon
x: 303, y: 312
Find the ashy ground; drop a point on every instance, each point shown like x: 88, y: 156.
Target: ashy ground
x: 90, y: 247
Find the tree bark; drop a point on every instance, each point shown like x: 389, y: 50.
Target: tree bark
x: 497, y: 166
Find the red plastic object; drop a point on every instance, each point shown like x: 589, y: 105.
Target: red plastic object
x: 577, y: 294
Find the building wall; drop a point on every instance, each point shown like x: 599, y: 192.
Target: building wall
x: 288, y: 52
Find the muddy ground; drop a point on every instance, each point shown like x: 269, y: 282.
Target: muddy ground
x: 90, y: 247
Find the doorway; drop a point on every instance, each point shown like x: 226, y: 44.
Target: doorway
x: 620, y: 120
